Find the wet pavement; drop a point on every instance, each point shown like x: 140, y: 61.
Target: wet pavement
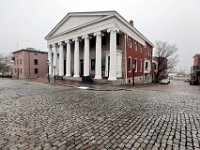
x: 47, y: 116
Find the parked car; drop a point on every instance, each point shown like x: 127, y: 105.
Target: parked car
x: 193, y: 82
x: 165, y: 81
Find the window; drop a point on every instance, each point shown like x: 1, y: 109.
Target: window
x: 135, y: 65
x: 21, y: 71
x: 92, y: 64
x: 146, y: 65
x: 136, y: 46
x: 140, y: 65
x: 20, y: 61
x: 130, y: 42
x: 141, y: 47
x: 36, y: 70
x: 17, y: 62
x: 35, y: 61
x: 129, y: 64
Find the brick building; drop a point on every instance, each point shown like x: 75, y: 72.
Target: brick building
x: 162, y: 67
x: 195, y: 69
x: 29, y: 63
x: 101, y: 44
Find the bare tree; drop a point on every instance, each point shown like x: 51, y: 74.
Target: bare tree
x: 166, y: 56
x: 5, y: 64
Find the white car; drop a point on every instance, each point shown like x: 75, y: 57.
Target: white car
x: 165, y: 81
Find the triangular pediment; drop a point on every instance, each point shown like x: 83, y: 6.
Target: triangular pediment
x: 74, y: 20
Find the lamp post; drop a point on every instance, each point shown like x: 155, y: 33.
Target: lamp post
x: 133, y: 67
x: 48, y: 63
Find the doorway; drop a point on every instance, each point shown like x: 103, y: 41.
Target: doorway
x: 81, y: 67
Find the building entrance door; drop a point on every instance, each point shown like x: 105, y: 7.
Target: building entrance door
x: 64, y: 66
x: 81, y: 67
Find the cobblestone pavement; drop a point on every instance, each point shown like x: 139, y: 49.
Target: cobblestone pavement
x: 42, y: 116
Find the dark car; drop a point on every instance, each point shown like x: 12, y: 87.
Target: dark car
x: 193, y: 82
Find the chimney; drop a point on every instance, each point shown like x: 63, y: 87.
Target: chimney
x: 131, y: 23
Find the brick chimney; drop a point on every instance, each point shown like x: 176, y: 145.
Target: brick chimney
x: 131, y: 23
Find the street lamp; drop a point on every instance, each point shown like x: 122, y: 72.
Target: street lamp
x: 133, y: 68
x: 48, y: 63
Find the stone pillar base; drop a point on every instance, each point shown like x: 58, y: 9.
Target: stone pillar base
x: 68, y: 75
x: 97, y: 77
x: 112, y: 78
x: 76, y: 76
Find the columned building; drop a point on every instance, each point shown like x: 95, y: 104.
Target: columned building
x: 92, y: 43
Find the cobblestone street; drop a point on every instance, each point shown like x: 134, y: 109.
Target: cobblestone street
x: 42, y: 116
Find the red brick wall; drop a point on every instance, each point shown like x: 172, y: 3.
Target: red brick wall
x: 196, y: 59
x: 146, y: 53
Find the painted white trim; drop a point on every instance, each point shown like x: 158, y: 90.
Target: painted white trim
x: 136, y: 65
x: 121, y: 23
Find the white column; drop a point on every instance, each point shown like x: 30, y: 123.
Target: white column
x: 86, y: 55
x: 54, y: 59
x: 98, y: 55
x: 50, y: 60
x: 68, y: 59
x: 113, y: 53
x: 76, y: 58
x: 61, y: 60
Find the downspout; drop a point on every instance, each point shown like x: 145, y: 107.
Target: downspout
x: 125, y: 59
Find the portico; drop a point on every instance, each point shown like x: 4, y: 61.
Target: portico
x: 92, y: 43
x: 74, y: 49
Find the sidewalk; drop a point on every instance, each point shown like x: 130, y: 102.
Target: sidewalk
x: 91, y: 86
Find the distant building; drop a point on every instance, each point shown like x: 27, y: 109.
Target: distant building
x: 101, y: 44
x: 195, y: 69
x: 29, y: 63
x: 154, y: 69
x: 162, y: 68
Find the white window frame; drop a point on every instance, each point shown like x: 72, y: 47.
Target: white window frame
x: 130, y: 64
x: 130, y: 43
x: 140, y: 65
x: 136, y: 64
x: 136, y: 46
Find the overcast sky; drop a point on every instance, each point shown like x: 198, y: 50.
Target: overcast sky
x: 25, y: 23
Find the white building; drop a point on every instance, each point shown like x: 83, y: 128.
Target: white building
x: 92, y: 43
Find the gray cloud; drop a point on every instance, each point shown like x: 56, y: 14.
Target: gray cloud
x: 26, y: 23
